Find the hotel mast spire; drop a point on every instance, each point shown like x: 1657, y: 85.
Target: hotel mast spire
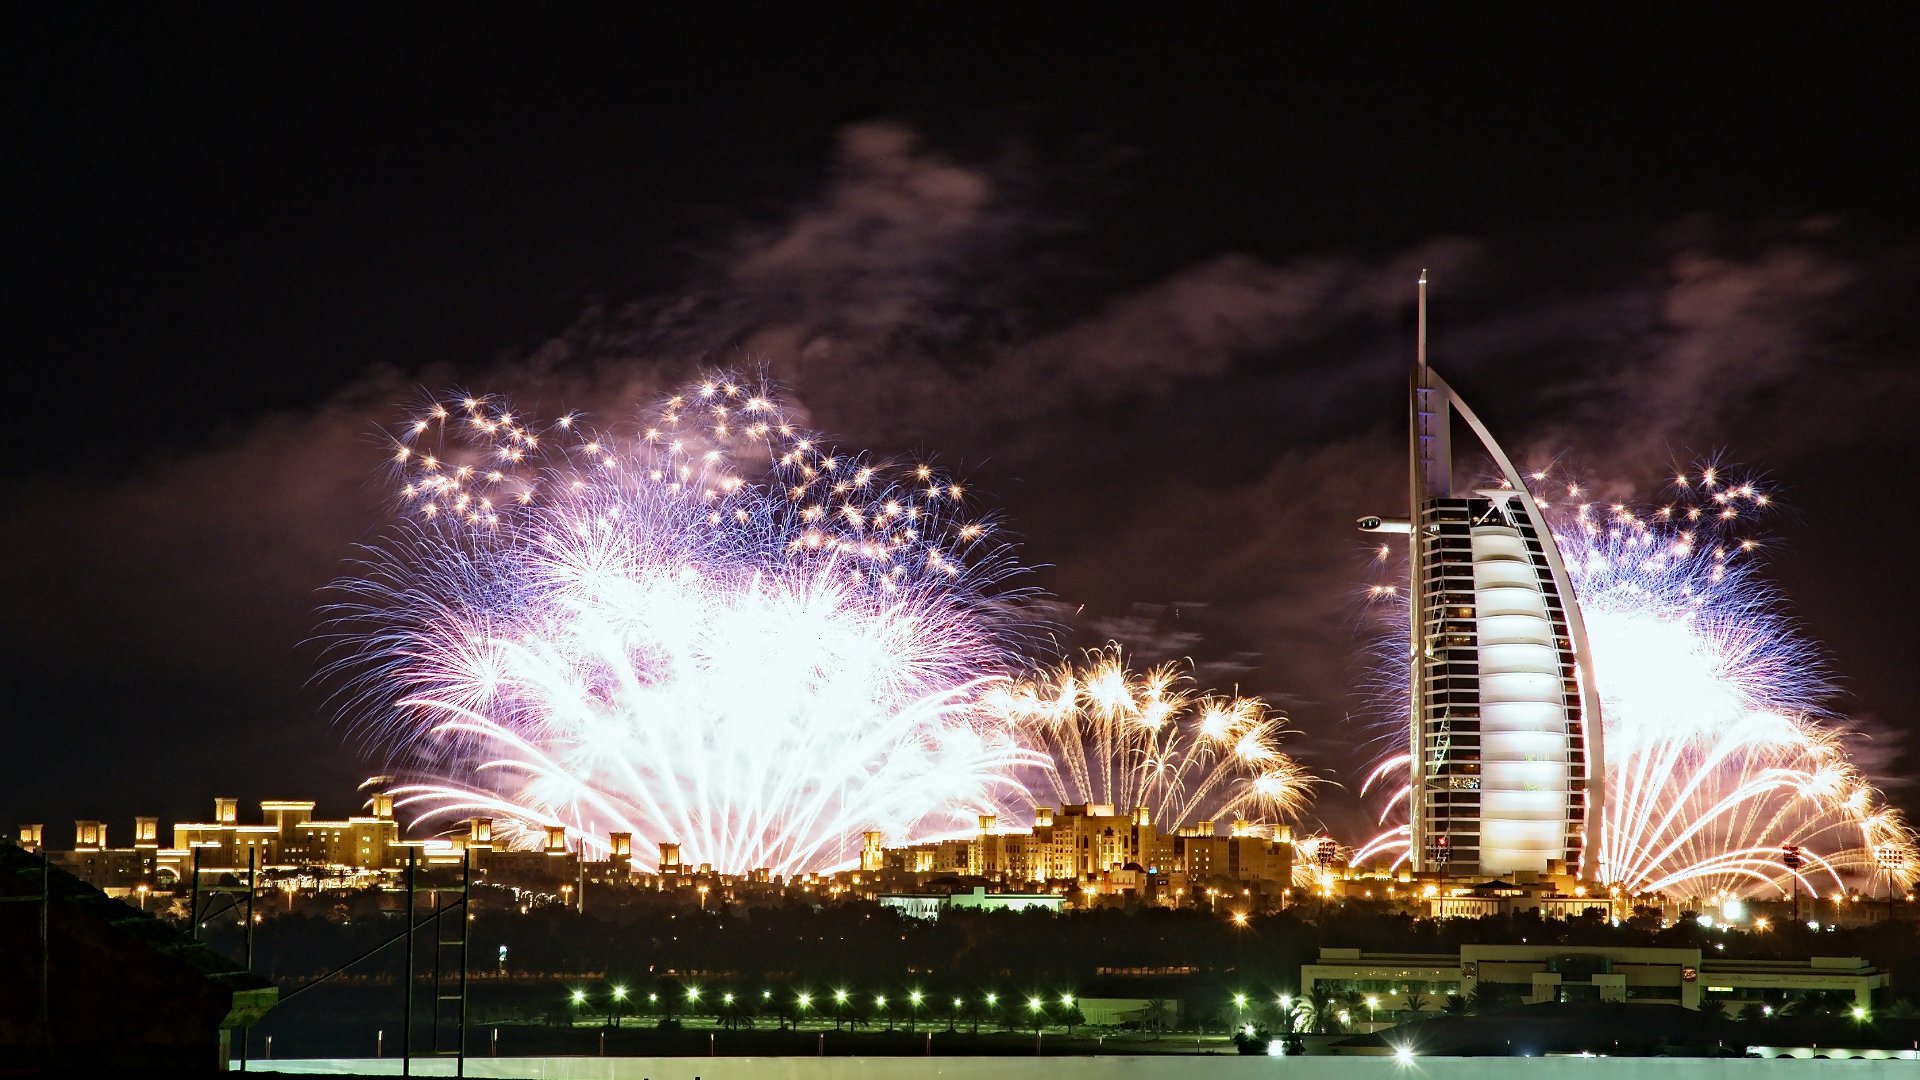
x: 1506, y: 770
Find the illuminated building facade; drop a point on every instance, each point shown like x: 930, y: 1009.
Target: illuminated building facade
x: 289, y: 841
x: 1095, y: 850
x: 1402, y: 984
x: 1075, y: 855
x: 1504, y: 731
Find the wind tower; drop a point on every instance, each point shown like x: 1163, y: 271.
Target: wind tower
x: 1504, y: 738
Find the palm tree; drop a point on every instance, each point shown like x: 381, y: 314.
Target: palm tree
x: 735, y: 1013
x: 1351, y: 1002
x: 1456, y: 1005
x: 1486, y: 999
x: 1320, y: 1006
x: 1072, y: 1017
x: 1156, y: 1016
x: 1415, y: 1001
x: 977, y: 1011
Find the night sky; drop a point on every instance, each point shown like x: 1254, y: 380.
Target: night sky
x: 1148, y: 285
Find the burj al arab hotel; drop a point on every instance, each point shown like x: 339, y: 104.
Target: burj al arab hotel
x: 1504, y: 718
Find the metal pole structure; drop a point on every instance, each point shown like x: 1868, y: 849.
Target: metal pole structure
x: 193, y: 894
x: 433, y: 901
x: 466, y: 940
x: 1790, y: 858
x: 1418, y: 403
x: 46, y: 958
x: 253, y: 865
x: 406, y: 1022
x: 1889, y: 858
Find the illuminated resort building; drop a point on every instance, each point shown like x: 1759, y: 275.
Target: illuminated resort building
x: 299, y: 851
x: 1076, y: 856
x: 1089, y: 850
x: 1504, y: 734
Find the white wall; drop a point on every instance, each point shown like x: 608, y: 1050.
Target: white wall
x: 1144, y: 1067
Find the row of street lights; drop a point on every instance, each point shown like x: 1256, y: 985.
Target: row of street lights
x: 803, y: 1001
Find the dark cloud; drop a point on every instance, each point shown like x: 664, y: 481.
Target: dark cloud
x: 1198, y: 444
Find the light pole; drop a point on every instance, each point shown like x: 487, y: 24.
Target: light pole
x: 913, y: 1009
x: 613, y: 1005
x: 839, y: 1007
x: 1888, y: 857
x: 1791, y: 858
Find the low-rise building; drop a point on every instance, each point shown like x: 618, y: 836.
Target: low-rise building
x: 1090, y: 850
x: 1394, y: 984
x: 929, y: 905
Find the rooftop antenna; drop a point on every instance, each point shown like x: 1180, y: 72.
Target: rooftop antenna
x: 1421, y: 348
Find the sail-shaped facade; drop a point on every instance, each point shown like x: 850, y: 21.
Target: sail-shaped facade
x: 1504, y: 722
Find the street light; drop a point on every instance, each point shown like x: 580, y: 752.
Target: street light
x: 613, y: 1004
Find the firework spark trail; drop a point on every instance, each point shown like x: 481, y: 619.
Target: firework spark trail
x: 1719, y: 750
x: 1149, y: 740
x: 709, y: 630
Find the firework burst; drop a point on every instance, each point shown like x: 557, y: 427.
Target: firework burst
x: 708, y: 629
x: 1150, y: 740
x: 1720, y: 752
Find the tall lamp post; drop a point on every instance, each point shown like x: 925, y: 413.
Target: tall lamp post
x: 1791, y: 858
x: 1888, y: 857
x: 613, y: 1005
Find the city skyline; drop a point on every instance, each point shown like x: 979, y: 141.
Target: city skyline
x: 987, y: 281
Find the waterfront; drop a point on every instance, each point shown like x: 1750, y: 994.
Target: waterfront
x: 1107, y: 1068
